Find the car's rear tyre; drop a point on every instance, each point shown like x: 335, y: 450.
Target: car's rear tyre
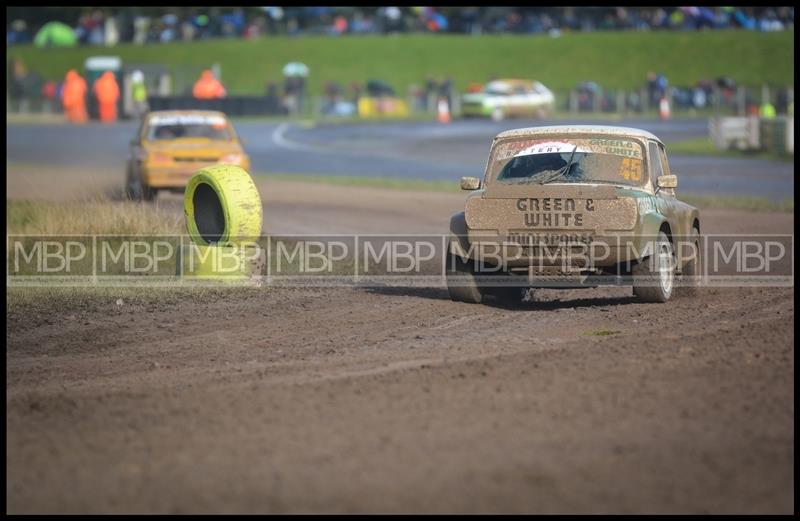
x: 507, y: 294
x: 135, y: 187
x: 654, y: 277
x: 461, y: 283
x: 498, y: 114
x: 691, y: 275
x: 148, y: 193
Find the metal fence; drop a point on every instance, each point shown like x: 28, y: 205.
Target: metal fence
x: 707, y: 100
x: 710, y: 100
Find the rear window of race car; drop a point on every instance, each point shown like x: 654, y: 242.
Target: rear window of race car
x: 188, y: 126
x: 593, y: 160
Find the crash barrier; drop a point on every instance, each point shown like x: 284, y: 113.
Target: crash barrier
x: 223, y: 218
x: 383, y: 106
x: 232, y: 105
x: 734, y: 133
x: 753, y: 133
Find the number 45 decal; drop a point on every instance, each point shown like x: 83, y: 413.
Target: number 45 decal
x: 631, y: 169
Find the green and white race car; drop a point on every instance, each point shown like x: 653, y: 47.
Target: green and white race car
x: 509, y: 98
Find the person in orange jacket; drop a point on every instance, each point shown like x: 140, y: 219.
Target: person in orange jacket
x: 107, y: 92
x: 73, y: 97
x: 208, y: 87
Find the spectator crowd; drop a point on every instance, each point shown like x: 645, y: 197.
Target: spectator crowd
x: 109, y: 26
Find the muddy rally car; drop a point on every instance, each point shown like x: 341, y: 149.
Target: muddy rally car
x: 573, y: 207
x: 170, y: 146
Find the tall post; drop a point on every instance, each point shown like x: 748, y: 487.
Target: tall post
x: 455, y: 110
x: 741, y: 104
x: 573, y: 101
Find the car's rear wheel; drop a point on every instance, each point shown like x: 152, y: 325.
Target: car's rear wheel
x: 654, y: 277
x: 498, y: 114
x: 148, y: 193
x: 691, y: 275
x: 508, y: 294
x: 461, y: 283
x: 135, y: 187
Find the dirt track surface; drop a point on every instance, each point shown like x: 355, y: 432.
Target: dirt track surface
x: 399, y: 400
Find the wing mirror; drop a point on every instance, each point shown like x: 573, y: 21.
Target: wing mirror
x: 667, y: 181
x: 470, y: 183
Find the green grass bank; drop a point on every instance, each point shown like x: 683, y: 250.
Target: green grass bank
x: 613, y: 59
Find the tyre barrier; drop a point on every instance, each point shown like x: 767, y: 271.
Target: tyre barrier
x: 223, y: 218
x: 222, y: 206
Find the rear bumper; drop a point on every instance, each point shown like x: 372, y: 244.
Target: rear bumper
x: 167, y: 177
x: 599, y: 252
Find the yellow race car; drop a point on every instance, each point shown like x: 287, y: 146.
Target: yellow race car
x: 171, y: 146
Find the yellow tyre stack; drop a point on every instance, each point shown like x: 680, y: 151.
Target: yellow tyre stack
x: 223, y: 217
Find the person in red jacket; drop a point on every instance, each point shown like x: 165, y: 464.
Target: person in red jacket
x: 107, y: 92
x: 208, y: 87
x: 73, y: 97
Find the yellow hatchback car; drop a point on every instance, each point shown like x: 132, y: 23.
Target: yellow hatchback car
x: 171, y: 146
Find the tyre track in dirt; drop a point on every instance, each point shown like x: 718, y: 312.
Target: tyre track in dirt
x: 457, y: 375
x: 397, y: 399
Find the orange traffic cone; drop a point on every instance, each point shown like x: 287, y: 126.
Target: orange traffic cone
x: 444, y: 111
x: 663, y: 108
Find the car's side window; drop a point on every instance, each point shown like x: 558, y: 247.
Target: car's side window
x: 656, y: 168
x: 664, y: 163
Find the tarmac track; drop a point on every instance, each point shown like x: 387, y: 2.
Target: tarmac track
x: 409, y: 150
x: 390, y: 399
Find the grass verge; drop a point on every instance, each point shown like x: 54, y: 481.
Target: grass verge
x: 738, y: 202
x: 704, y: 147
x: 373, y: 182
x: 90, y: 217
x: 732, y: 202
